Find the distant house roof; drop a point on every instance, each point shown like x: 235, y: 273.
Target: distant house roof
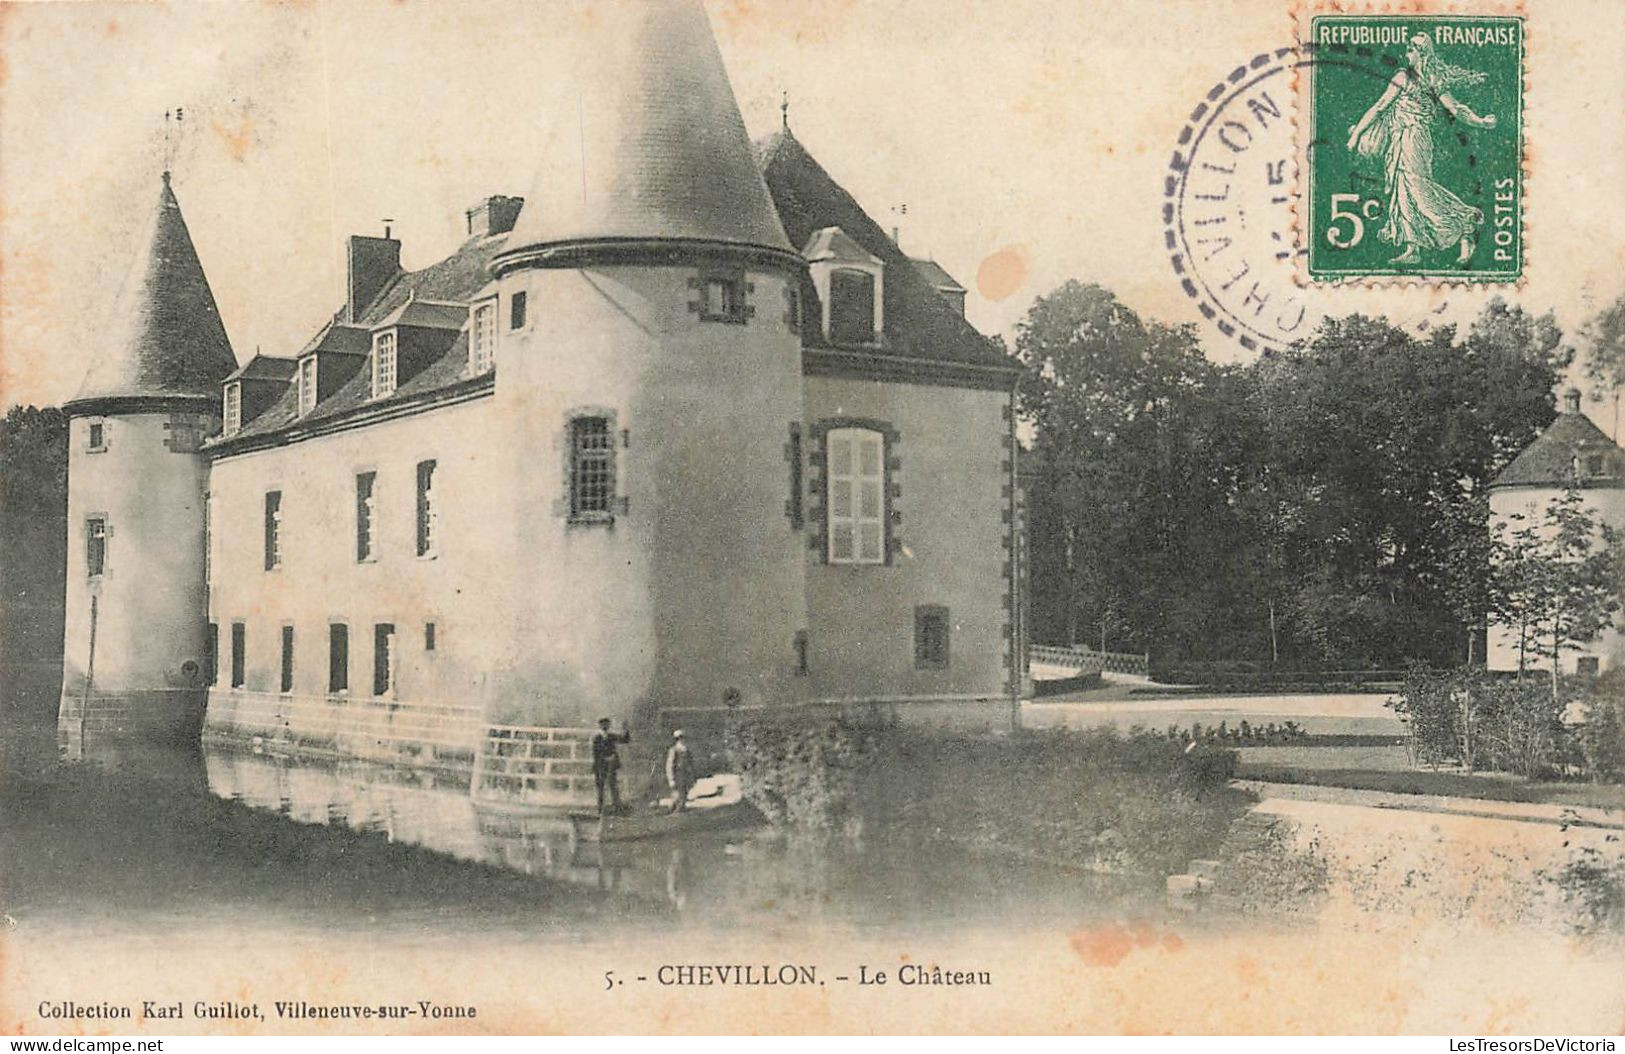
x: 918, y: 322
x: 933, y: 273
x: 1550, y: 459
x: 164, y: 338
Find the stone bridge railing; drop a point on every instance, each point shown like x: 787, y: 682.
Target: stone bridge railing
x: 1087, y: 659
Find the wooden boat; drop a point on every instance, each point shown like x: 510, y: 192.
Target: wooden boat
x: 715, y: 805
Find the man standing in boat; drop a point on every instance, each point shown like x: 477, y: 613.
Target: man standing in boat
x: 679, y: 771
x: 606, y: 762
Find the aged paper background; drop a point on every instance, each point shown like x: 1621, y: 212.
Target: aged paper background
x: 1029, y: 142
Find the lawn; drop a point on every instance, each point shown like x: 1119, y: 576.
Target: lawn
x: 1485, y: 786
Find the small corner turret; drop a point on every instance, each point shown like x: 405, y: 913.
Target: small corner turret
x: 135, y: 656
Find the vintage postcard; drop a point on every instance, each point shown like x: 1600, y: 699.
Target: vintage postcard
x: 752, y: 517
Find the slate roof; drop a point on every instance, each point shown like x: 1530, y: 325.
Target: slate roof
x: 832, y: 243
x: 1549, y: 460
x: 651, y: 144
x: 264, y: 368
x: 164, y: 336
x: 337, y: 337
x: 934, y: 273
x: 918, y: 322
x: 679, y: 166
x: 426, y: 314
x: 432, y: 296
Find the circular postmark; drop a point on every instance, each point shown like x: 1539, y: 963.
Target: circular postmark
x: 1231, y: 195
x: 1227, y: 208
x: 1235, y: 207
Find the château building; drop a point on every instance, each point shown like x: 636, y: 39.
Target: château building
x: 682, y: 427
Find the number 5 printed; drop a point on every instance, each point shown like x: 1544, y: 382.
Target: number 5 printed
x: 1357, y: 231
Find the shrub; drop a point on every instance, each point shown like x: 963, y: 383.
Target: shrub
x: 806, y: 776
x: 1096, y: 799
x: 1602, y: 737
x: 1429, y: 702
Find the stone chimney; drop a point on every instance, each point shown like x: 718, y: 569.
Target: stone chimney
x: 372, y: 263
x: 493, y: 215
x: 1571, y: 400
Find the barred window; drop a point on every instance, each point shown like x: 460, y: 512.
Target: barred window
x: 287, y: 659
x: 930, y: 637
x: 482, y: 338
x: 366, y: 508
x: 724, y: 299
x: 239, y: 656
x: 95, y: 545
x: 234, y: 409
x: 856, y: 499
x: 273, y: 529
x: 383, y: 658
x: 338, y: 657
x: 307, y: 384
x: 592, y: 468
x: 97, y: 437
x: 426, y: 509
x: 383, y: 364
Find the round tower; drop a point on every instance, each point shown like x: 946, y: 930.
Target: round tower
x: 649, y: 382
x: 135, y: 655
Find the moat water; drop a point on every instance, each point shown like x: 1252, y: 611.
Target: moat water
x: 743, y: 879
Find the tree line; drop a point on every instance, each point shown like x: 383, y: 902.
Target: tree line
x: 1324, y: 506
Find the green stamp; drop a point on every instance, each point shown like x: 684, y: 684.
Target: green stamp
x: 1415, y: 161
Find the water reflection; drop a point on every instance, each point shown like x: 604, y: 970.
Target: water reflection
x: 718, y: 878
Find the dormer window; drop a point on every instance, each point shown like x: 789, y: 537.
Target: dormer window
x: 307, y: 384
x: 849, y: 280
x: 383, y: 364
x: 233, y: 422
x: 852, y: 307
x: 482, y: 338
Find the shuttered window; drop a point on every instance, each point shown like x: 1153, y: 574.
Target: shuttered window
x: 856, y: 498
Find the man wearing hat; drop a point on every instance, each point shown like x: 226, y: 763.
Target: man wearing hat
x: 606, y: 761
x: 679, y: 771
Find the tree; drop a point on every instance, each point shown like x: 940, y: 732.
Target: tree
x: 1135, y: 451
x: 1604, y: 337
x: 33, y: 550
x: 1378, y: 451
x: 1557, y: 579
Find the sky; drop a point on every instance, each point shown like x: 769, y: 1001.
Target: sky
x: 1019, y: 143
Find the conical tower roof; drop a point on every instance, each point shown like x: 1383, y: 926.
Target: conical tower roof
x: 164, y: 339
x: 648, y: 144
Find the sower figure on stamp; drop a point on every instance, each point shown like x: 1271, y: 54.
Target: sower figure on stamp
x: 1398, y: 131
x: 679, y: 771
x: 606, y: 762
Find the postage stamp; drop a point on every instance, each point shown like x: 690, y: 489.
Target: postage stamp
x: 1414, y: 160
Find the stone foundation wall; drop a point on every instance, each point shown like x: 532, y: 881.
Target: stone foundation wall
x: 538, y: 766
x: 375, y: 729
x: 86, y: 722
